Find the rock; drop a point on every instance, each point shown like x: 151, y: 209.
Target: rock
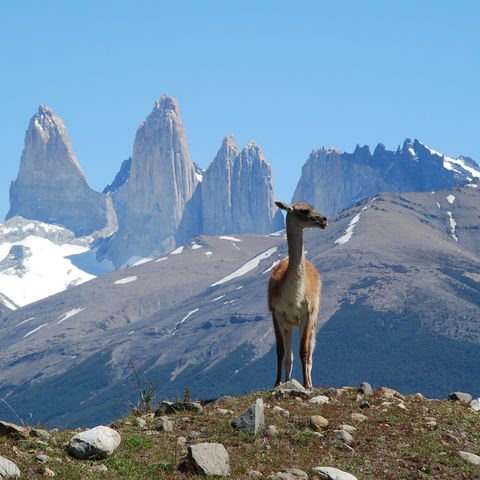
x: 291, y: 388
x: 364, y: 404
x: 475, y: 404
x: 282, y: 411
x: 401, y: 406
x: 165, y: 426
x: 141, y: 422
x: 332, y: 180
x: 162, y: 180
x: 318, y: 423
x: 342, y: 436
x: 8, y: 468
x: 100, y: 468
x: 332, y: 392
x: 48, y: 472
x: 359, y: 417
x: 42, y: 458
x: 235, y: 179
x: 348, y: 428
x: 252, y: 420
x: 40, y: 433
x: 167, y: 407
x: 181, y: 440
x: 98, y: 442
x: 8, y: 429
x: 365, y: 389
x: 51, y: 186
x: 224, y: 411
x: 290, y: 474
x: 254, y: 475
x: 209, y: 459
x: 330, y: 473
x: 470, y: 457
x: 460, y: 397
x: 390, y: 393
x: 271, y: 431
x: 319, y: 399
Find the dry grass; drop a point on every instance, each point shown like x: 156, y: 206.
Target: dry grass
x: 418, y: 442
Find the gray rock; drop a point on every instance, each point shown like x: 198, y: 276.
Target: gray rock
x: 460, y: 397
x: 331, y: 473
x: 51, y: 186
x: 254, y: 474
x: 99, y: 442
x: 470, y: 457
x: 290, y: 474
x: 475, y: 404
x: 42, y: 458
x: 167, y: 407
x: 291, y: 388
x: 161, y: 182
x: 332, y: 180
x: 364, y: 404
x: 348, y: 428
x: 365, y: 389
x: 166, y: 426
x: 209, y: 459
x: 252, y: 419
x: 40, y: 433
x: 319, y: 399
x: 8, y: 468
x: 343, y: 436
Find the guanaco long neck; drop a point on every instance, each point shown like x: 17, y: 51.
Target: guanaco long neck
x: 296, y: 252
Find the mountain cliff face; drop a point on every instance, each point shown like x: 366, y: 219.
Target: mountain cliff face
x: 161, y: 181
x: 332, y: 180
x: 51, y: 186
x: 235, y: 196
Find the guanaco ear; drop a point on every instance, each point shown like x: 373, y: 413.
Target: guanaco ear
x: 284, y: 206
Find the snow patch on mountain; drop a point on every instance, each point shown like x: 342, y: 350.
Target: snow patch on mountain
x: 453, y: 226
x: 451, y: 199
x: 36, y: 268
x: 247, y: 267
x: 69, y: 314
x: 123, y: 281
x: 346, y: 237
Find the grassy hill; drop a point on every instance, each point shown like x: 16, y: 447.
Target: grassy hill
x: 401, y: 437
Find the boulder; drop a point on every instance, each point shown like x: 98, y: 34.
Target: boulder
x: 290, y: 474
x: 475, y: 404
x: 252, y: 419
x: 365, y: 389
x: 460, y: 397
x: 99, y: 442
x: 8, y: 429
x: 331, y: 473
x: 318, y: 423
x: 8, y: 468
x: 343, y: 436
x: 319, y: 399
x: 209, y: 459
x: 470, y: 457
x: 291, y: 388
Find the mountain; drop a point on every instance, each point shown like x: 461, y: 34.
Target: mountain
x: 401, y: 303
x: 235, y: 195
x: 121, y: 177
x: 161, y: 181
x: 34, y: 260
x: 332, y: 180
x: 51, y: 187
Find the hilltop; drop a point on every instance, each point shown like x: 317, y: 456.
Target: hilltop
x: 369, y: 435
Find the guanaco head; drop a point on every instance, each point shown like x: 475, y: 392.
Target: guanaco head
x: 303, y: 215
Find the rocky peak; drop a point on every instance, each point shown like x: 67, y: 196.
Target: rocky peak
x: 162, y: 180
x: 50, y: 185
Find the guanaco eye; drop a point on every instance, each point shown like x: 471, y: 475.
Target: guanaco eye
x: 303, y: 211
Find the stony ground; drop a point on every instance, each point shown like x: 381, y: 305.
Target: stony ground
x: 384, y: 435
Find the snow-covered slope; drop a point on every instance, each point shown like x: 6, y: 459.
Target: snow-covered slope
x: 33, y: 263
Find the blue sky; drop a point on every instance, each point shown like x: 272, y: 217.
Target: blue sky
x: 291, y: 76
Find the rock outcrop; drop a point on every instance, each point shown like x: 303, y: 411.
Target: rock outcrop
x: 235, y: 196
x: 51, y: 186
x: 162, y: 180
x: 332, y: 181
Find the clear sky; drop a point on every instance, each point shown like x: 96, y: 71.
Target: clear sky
x: 291, y: 76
